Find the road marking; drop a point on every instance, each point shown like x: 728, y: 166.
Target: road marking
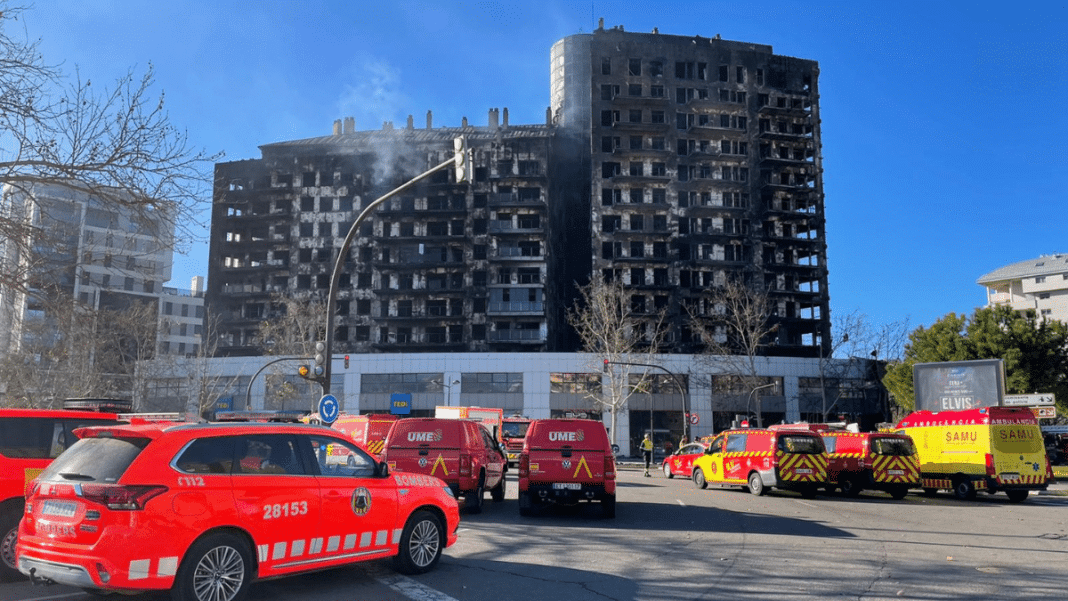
x: 679, y: 501
x: 412, y: 589
x: 50, y: 597
x: 805, y: 504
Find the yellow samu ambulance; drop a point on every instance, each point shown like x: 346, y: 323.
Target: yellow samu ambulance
x: 992, y: 449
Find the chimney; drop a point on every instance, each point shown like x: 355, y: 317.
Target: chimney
x: 411, y: 122
x: 350, y: 125
x: 429, y: 120
x: 505, y: 116
x: 387, y: 126
x: 337, y: 127
x: 464, y: 123
x: 548, y: 115
x: 493, y: 119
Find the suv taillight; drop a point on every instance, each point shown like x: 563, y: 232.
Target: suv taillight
x: 990, y: 471
x: 465, y: 464
x: 121, y: 497
x: 524, y: 466
x: 609, y: 467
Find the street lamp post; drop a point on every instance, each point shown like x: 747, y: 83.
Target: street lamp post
x: 462, y: 160
x: 449, y: 386
x: 760, y: 416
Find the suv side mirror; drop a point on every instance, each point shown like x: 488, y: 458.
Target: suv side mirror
x: 381, y: 469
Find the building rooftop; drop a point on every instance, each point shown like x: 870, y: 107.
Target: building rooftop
x: 1044, y: 265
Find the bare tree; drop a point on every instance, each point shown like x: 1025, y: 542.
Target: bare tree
x: 116, y: 144
x: 612, y: 332
x: 736, y: 327
x: 292, y: 327
x: 77, y: 351
x: 856, y: 342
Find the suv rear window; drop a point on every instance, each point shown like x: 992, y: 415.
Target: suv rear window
x: 96, y: 460
x: 893, y: 446
x: 514, y: 429
x: 40, y: 437
x: 795, y: 443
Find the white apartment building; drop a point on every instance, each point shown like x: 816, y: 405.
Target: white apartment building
x: 98, y: 255
x: 1039, y: 284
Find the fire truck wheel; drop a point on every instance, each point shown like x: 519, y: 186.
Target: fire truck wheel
x: 849, y: 485
x: 667, y: 471
x: 497, y: 492
x: 699, y: 479
x: 808, y: 492
x: 898, y: 492
x: 964, y: 489
x: 473, y: 498
x: 421, y: 543
x: 756, y: 484
x: 608, y: 506
x: 1016, y: 496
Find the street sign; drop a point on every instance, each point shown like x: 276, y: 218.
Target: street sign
x: 400, y: 403
x: 1045, y: 412
x: 328, y: 409
x: 1028, y: 400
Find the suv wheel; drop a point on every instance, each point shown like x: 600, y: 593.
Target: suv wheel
x: 699, y: 479
x: 756, y: 484
x: 964, y: 489
x: 217, y: 567
x: 667, y: 470
x: 526, y: 504
x: 473, y: 498
x: 608, y: 506
x: 421, y: 544
x: 9, y: 529
x: 497, y: 492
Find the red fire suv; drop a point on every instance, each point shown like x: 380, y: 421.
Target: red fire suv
x: 204, y: 509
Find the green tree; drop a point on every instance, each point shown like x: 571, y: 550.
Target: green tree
x: 1035, y: 351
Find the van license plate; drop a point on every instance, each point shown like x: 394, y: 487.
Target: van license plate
x: 58, y: 508
x: 1010, y: 477
x: 802, y: 470
x: 567, y: 486
x: 896, y: 472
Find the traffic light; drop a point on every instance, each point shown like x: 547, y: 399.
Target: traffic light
x: 320, y: 359
x: 346, y: 361
x: 304, y: 371
x: 462, y: 157
x: 606, y: 366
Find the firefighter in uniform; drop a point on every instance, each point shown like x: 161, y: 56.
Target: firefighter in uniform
x: 647, y: 453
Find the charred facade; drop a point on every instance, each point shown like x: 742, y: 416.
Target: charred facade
x: 705, y: 167
x: 440, y: 267
x: 673, y: 163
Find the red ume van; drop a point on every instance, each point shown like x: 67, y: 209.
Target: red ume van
x: 566, y: 461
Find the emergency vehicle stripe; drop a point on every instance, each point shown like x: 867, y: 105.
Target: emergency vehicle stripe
x: 365, y: 540
x: 383, y: 536
x: 168, y: 566
x: 139, y: 569
x: 396, y: 536
x: 261, y: 552
x: 316, y: 546
x: 333, y: 543
x: 350, y: 541
x: 296, y: 548
x: 279, y: 551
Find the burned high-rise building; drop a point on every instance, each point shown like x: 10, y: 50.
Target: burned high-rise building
x: 675, y: 164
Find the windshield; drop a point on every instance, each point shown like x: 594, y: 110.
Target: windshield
x: 793, y: 443
x: 514, y: 429
x: 96, y: 460
x: 901, y: 447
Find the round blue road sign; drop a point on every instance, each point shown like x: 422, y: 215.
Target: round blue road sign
x: 328, y: 409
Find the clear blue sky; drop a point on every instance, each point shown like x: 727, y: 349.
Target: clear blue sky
x: 943, y: 125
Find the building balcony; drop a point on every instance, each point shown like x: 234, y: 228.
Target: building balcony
x: 515, y: 308
x: 521, y: 336
x: 507, y: 227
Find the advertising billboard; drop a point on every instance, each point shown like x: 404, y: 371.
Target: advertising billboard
x: 958, y: 385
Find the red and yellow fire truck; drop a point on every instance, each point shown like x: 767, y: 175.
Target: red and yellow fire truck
x: 992, y: 449
x: 491, y: 418
x: 368, y: 431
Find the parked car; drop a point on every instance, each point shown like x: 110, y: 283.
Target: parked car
x: 680, y: 463
x: 204, y: 509
x: 461, y: 452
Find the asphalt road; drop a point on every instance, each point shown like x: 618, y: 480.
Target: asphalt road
x: 671, y: 541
